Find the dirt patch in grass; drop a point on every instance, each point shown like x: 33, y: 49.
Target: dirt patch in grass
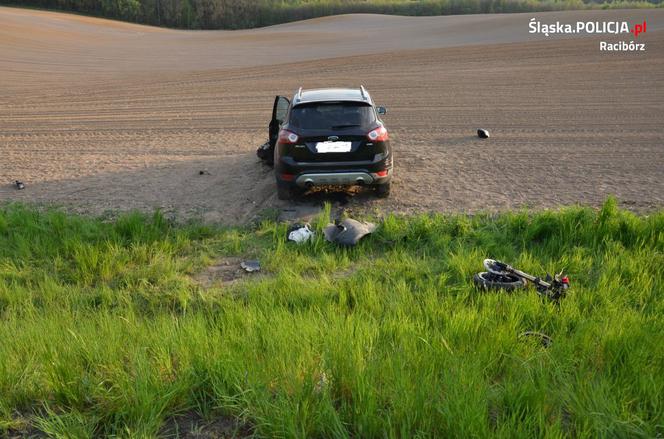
x: 22, y: 427
x: 225, y: 271
x: 191, y: 425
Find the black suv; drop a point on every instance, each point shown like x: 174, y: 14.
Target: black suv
x: 329, y: 136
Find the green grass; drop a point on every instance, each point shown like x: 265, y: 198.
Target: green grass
x: 103, y: 332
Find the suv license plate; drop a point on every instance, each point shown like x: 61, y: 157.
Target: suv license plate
x: 333, y: 146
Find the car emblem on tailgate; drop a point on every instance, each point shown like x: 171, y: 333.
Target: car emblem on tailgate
x: 333, y: 138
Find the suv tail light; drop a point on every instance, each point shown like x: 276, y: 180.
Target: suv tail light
x: 378, y: 135
x: 286, y: 136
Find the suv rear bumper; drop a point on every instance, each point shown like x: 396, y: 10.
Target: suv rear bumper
x: 337, y: 178
x: 307, y: 174
x: 334, y: 178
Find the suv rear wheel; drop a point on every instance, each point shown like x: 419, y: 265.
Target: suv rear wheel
x: 382, y: 190
x: 286, y: 191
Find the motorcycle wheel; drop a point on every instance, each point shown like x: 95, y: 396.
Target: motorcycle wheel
x: 491, y: 281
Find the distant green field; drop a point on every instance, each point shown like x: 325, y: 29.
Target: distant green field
x: 239, y: 14
x: 105, y: 332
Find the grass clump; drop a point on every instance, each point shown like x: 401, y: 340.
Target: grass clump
x: 104, y: 332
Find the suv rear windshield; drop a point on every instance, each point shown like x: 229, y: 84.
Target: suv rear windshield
x: 332, y: 115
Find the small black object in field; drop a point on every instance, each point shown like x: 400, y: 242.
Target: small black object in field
x: 204, y: 172
x: 482, y: 133
x: 251, y: 266
x: 19, y: 185
x: 263, y: 151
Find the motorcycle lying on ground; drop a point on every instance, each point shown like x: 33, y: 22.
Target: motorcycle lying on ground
x: 501, y: 276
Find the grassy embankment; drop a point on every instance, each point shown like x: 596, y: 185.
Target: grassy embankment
x: 104, y: 332
x: 240, y: 14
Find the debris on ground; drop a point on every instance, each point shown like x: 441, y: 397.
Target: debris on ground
x: 263, y: 152
x: 251, y: 266
x: 348, y: 232
x: 19, y: 185
x: 482, y: 133
x: 300, y: 233
x: 204, y: 172
x: 545, y: 340
x: 501, y: 276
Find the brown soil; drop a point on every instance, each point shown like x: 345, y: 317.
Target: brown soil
x: 98, y: 115
x: 191, y: 425
x: 225, y: 271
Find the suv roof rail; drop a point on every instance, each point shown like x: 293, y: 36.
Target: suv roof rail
x: 363, y: 91
x: 298, y: 96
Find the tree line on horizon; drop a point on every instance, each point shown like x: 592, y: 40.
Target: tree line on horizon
x: 242, y: 14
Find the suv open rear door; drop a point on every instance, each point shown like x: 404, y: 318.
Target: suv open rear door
x: 279, y: 112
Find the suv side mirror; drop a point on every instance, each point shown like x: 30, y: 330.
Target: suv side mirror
x: 381, y: 110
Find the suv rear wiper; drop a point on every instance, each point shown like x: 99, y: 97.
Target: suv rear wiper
x: 346, y: 126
